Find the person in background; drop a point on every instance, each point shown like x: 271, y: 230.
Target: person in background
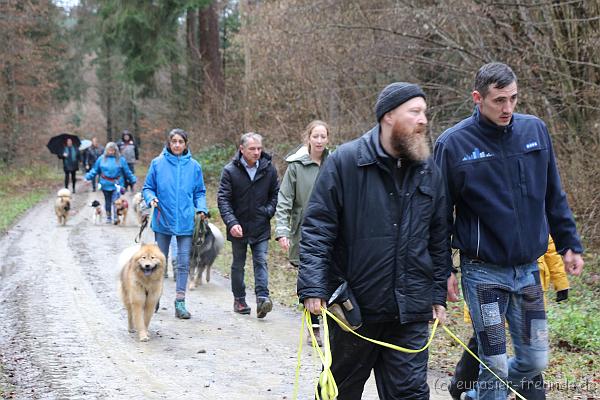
x: 90, y: 155
x: 552, y: 271
x: 504, y: 198
x: 247, y: 199
x: 129, y: 151
x: 175, y: 187
x: 71, y: 158
x: 112, y: 170
x: 296, y: 186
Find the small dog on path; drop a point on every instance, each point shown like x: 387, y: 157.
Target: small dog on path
x: 204, y: 254
x: 97, y: 212
x: 121, y: 208
x: 141, y: 285
x: 62, y: 205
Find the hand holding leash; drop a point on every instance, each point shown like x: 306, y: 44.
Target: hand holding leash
x: 314, y: 305
x: 439, y: 313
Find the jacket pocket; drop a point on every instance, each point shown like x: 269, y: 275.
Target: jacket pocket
x: 422, y: 209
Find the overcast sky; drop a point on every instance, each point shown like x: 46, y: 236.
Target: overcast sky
x: 66, y: 3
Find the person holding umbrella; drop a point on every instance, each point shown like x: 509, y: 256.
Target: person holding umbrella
x: 71, y: 158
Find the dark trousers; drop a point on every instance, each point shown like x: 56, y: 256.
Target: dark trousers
x: 108, y: 194
x: 128, y: 184
x: 399, y: 376
x: 73, y: 178
x: 467, y: 371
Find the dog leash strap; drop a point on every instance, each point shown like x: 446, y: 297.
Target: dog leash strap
x: 326, y: 381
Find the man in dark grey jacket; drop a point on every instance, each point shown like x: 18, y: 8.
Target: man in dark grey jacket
x: 247, y: 199
x: 376, y: 220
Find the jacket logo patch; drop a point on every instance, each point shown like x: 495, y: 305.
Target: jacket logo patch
x: 477, y: 154
x: 531, y: 145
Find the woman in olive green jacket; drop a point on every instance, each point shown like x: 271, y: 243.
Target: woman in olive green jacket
x: 294, y: 192
x: 296, y: 187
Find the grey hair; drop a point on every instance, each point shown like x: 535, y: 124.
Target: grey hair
x: 112, y: 145
x: 250, y: 135
x: 180, y: 132
x: 497, y: 74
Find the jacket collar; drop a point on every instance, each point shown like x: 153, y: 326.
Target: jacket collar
x: 263, y: 162
x: 173, y: 159
x: 300, y: 154
x: 490, y: 128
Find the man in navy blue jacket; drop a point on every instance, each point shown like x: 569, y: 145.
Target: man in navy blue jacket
x: 505, y: 192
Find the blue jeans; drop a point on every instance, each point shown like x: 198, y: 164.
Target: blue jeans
x: 259, y: 261
x: 495, y: 295
x: 184, y: 247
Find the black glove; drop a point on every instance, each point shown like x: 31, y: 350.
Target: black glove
x: 562, y: 295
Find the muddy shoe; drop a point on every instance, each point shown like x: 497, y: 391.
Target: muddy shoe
x: 180, y: 310
x: 240, y: 306
x: 263, y: 306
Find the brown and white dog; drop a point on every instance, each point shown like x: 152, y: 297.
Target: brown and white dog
x: 121, y: 207
x: 141, y: 285
x: 62, y: 205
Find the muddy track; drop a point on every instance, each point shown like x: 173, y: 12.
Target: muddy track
x: 63, y: 329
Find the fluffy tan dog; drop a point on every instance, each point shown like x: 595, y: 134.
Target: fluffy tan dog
x: 62, y: 205
x: 121, y: 207
x: 138, y: 207
x: 141, y: 285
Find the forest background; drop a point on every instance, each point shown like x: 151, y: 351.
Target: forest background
x: 218, y: 68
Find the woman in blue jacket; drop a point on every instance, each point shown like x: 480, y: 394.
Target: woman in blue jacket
x: 112, y: 169
x: 175, y: 187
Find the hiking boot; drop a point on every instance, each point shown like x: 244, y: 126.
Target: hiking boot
x: 180, y: 310
x: 240, y: 306
x: 263, y: 306
x: 317, y: 332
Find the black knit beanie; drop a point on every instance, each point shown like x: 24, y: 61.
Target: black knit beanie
x: 395, y: 94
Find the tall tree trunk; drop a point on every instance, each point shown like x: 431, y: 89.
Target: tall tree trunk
x: 247, y: 62
x: 9, y: 120
x: 194, y: 78
x: 210, y: 44
x: 109, y: 95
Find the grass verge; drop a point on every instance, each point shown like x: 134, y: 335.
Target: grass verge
x: 22, y: 188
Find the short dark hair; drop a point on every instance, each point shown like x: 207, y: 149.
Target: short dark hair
x: 498, y: 74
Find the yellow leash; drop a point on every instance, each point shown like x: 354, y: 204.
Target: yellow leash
x: 326, y: 382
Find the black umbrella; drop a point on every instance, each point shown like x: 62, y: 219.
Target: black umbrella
x: 57, y: 143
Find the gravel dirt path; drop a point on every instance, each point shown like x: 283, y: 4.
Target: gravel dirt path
x: 63, y: 329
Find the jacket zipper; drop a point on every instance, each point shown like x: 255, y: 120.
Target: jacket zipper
x: 478, y: 237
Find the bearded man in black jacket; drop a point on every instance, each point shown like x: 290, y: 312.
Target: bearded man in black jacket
x: 376, y: 220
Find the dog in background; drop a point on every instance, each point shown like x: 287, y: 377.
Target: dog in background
x: 139, y: 207
x: 205, y: 251
x: 141, y: 285
x: 97, y: 212
x: 62, y: 205
x: 121, y: 207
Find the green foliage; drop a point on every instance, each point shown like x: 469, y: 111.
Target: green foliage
x: 575, y: 325
x: 213, y: 159
x: 22, y: 188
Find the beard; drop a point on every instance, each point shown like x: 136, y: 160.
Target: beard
x: 410, y: 142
